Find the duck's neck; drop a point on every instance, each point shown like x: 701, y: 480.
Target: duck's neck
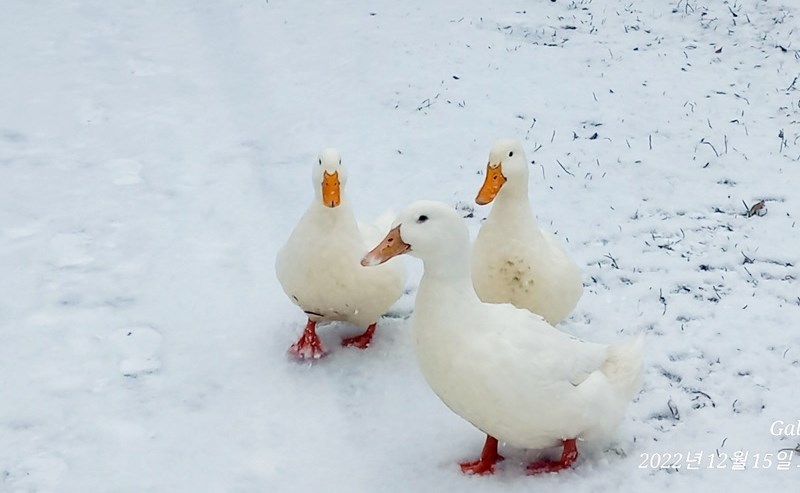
x: 511, y: 204
x: 340, y: 218
x: 447, y: 277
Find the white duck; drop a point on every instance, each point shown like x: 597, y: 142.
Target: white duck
x: 504, y: 369
x: 319, y: 268
x: 514, y: 261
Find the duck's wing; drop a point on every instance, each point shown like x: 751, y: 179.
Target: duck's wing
x: 546, y: 350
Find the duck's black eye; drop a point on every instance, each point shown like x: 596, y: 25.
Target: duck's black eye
x: 320, y: 161
x: 340, y: 162
x: 421, y: 219
x: 510, y: 153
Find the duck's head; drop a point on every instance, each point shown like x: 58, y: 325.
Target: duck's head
x: 506, y: 162
x: 425, y: 229
x: 329, y: 177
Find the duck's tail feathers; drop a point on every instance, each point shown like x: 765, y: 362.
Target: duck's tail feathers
x: 623, y: 367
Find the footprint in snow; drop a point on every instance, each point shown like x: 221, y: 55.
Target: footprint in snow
x: 139, y: 348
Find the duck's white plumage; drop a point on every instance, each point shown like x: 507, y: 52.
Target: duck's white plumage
x: 505, y: 369
x: 319, y: 267
x: 514, y: 260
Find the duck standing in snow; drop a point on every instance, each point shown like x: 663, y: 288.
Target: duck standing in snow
x: 504, y: 369
x: 513, y: 260
x: 319, y: 268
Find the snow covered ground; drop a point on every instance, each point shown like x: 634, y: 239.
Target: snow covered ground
x: 155, y: 154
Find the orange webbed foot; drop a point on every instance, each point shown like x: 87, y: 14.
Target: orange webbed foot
x: 484, y: 465
x: 568, y: 457
x: 309, y: 346
x: 360, y: 341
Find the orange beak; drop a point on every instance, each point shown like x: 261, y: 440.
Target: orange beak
x: 391, y: 246
x: 330, y: 189
x: 492, y: 184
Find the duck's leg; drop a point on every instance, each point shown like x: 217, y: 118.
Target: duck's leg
x: 360, y: 341
x: 568, y: 457
x: 308, y: 346
x: 489, y: 457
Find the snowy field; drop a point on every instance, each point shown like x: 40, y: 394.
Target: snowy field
x: 154, y: 155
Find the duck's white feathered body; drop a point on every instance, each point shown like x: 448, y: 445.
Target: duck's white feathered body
x: 515, y: 377
x: 319, y: 268
x: 504, y: 369
x: 514, y: 261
